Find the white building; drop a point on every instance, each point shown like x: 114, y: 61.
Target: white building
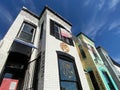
x: 113, y: 67
x: 38, y: 53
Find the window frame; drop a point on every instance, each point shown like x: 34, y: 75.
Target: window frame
x: 21, y: 30
x: 42, y: 29
x: 69, y: 58
x: 54, y: 24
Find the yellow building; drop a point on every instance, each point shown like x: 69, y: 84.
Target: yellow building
x: 97, y: 74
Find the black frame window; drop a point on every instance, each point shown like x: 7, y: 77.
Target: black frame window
x: 27, y: 32
x: 69, y: 79
x: 56, y: 32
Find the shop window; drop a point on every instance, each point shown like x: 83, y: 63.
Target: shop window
x: 27, y: 32
x: 60, y: 33
x: 68, y: 74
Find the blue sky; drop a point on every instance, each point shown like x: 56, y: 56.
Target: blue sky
x: 99, y: 19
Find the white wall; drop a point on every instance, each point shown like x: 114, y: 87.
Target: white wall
x: 51, y: 78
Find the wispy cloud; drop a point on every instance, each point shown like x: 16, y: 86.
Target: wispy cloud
x: 5, y: 14
x: 113, y: 3
x: 101, y: 4
x: 100, y: 18
x: 114, y: 25
x: 94, y: 29
x: 86, y: 2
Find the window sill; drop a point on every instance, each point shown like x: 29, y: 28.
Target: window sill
x: 25, y: 43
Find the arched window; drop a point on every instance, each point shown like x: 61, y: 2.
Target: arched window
x: 69, y: 79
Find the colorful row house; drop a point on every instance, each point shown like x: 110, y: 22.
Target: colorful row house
x: 96, y: 72
x: 110, y: 64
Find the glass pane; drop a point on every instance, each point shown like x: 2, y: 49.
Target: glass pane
x: 25, y: 37
x: 68, y: 86
x: 28, y: 29
x: 8, y: 75
x: 56, y: 29
x: 66, y: 70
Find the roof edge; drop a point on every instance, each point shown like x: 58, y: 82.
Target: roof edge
x: 28, y: 11
x: 116, y: 63
x: 81, y: 33
x: 48, y: 8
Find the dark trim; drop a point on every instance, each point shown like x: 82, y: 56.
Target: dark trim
x: 65, y: 54
x: 69, y: 58
x: 36, y: 72
x: 41, y: 30
x: 114, y: 62
x: 28, y: 11
x: 84, y: 35
x: 52, y: 11
x: 58, y: 35
x: 100, y: 47
x: 45, y: 8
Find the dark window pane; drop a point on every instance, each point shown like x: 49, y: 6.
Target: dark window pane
x: 41, y: 33
x: 52, y: 27
x: 57, y: 31
x: 27, y: 33
x: 94, y: 81
x: 71, y: 41
x: 68, y: 86
x: 66, y: 70
x: 82, y: 52
x: 25, y: 37
x: 28, y: 29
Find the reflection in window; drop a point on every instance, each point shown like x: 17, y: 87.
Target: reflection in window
x: 67, y: 70
x: 27, y: 32
x: 69, y: 86
x: 68, y: 75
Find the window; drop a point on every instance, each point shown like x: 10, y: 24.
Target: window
x: 60, y: 32
x: 41, y: 33
x: 94, y: 81
x: 94, y: 52
x: 82, y: 51
x: 68, y: 75
x: 27, y: 32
